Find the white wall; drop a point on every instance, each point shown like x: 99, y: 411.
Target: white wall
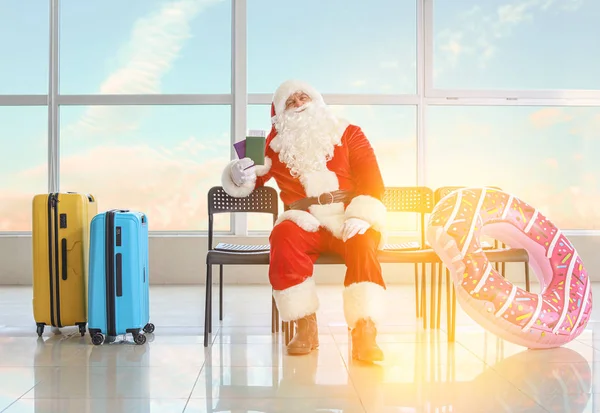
x: 181, y: 260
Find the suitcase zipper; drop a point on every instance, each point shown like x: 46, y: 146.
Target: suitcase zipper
x: 110, y: 276
x: 53, y: 259
x: 50, y: 263
x: 56, y: 260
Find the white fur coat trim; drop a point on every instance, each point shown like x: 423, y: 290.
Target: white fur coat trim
x: 330, y: 216
x: 364, y: 300
x: 297, y: 301
x: 301, y: 218
x: 262, y: 170
x: 231, y: 188
x: 369, y: 209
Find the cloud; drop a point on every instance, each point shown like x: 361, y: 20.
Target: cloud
x: 587, y: 125
x: 170, y: 189
x: 589, y: 178
x: 389, y: 64
x: 575, y: 207
x: 193, y: 146
x: 547, y: 117
x: 154, y: 45
x: 15, y: 210
x: 552, y: 163
x: 359, y: 83
x: 477, y: 32
x: 567, y: 5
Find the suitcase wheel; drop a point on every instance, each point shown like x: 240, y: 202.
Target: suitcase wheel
x: 82, y: 329
x: 149, y: 328
x: 139, y: 339
x: 40, y: 329
x: 97, y: 339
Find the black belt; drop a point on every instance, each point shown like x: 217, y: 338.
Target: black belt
x: 325, y: 198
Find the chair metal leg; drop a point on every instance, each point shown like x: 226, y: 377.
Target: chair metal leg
x: 276, y: 316
x: 207, y: 304
x: 448, y: 304
x: 220, y: 293
x: 424, y: 295
x: 210, y: 288
x: 286, y: 332
x: 417, y: 307
x: 527, y: 276
x: 438, y: 268
x: 451, y: 306
x: 272, y: 314
x: 432, y: 313
x: 453, y: 293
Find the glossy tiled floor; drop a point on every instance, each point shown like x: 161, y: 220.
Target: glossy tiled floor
x: 246, y: 370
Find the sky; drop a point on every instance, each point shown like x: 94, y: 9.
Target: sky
x: 163, y: 159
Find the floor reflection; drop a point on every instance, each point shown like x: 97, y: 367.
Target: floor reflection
x: 246, y: 368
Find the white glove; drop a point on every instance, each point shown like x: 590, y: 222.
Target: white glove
x: 240, y: 175
x: 354, y: 226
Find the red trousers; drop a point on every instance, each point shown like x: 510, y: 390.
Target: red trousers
x: 293, y: 254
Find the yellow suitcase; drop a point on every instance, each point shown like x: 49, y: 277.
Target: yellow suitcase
x: 61, y: 231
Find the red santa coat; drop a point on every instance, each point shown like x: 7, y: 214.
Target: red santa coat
x: 353, y: 167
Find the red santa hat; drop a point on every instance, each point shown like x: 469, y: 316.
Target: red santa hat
x: 288, y: 88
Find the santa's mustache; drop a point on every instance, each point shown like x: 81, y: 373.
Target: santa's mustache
x: 295, y: 116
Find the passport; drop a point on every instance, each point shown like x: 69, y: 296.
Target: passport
x: 252, y: 147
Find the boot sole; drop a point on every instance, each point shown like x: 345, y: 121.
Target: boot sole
x: 300, y: 351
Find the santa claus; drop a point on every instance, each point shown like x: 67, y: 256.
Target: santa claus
x: 331, y: 187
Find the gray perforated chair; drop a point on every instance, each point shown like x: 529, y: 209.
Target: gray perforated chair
x: 406, y: 199
x: 261, y: 200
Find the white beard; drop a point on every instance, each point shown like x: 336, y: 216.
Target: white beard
x: 306, y: 138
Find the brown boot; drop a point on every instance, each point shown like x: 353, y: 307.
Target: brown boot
x: 306, y: 338
x: 364, y: 346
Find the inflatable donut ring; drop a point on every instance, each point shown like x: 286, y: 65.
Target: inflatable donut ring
x: 551, y: 318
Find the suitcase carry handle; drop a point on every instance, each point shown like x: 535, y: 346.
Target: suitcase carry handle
x: 64, y: 259
x: 119, y: 275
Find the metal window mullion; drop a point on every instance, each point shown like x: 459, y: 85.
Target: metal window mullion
x: 23, y: 100
x: 53, y: 138
x: 423, y: 69
x: 346, y: 99
x: 510, y: 102
x: 239, y: 89
x: 148, y: 99
x: 515, y: 94
x: 428, y: 31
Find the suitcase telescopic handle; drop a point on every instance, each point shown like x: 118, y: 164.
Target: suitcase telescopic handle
x: 64, y: 259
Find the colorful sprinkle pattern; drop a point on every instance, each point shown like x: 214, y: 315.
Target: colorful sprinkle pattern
x: 561, y: 311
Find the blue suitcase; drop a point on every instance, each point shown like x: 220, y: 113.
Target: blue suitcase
x: 118, y: 295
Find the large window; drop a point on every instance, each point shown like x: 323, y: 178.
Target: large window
x: 495, y: 44
x: 339, y: 46
x: 145, y: 46
x: 392, y: 131
x: 161, y: 160
x: 142, y: 111
x: 544, y: 155
x: 23, y: 163
x: 24, y: 47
